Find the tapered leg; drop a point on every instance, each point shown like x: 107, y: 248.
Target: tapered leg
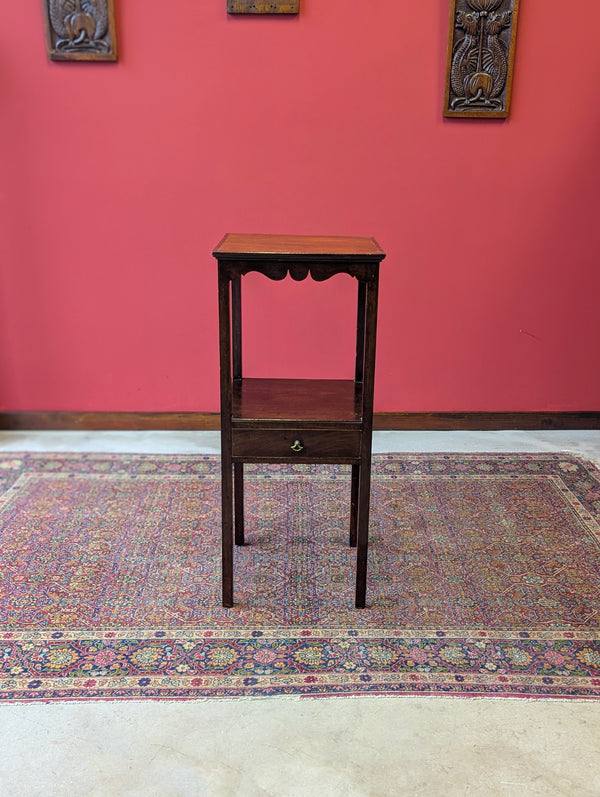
x: 226, y: 461
x: 227, y: 531
x: 364, y: 487
x: 354, y: 504
x: 364, y: 491
x: 238, y: 489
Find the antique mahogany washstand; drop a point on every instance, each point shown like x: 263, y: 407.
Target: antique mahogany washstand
x: 296, y: 420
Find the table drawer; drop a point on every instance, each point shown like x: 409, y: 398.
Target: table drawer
x: 310, y: 444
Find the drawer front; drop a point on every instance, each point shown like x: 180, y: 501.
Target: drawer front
x: 302, y: 446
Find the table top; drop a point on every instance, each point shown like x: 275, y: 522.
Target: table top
x: 254, y: 246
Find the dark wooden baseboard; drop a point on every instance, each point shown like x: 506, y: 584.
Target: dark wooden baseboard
x: 485, y: 421
x: 111, y: 421
x: 210, y: 421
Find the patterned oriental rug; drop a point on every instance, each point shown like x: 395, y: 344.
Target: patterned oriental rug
x: 484, y: 579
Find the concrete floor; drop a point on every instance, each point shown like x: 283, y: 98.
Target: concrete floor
x: 283, y: 747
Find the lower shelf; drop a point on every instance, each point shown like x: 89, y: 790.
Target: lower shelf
x: 325, y: 400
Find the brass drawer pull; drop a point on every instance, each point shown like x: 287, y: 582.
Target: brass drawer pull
x: 297, y: 446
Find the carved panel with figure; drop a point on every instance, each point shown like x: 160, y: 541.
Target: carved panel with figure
x: 80, y: 30
x: 481, y: 51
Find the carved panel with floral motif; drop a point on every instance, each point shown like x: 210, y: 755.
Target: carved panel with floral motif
x: 481, y: 50
x: 80, y: 30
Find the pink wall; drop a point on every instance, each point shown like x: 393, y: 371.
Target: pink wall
x: 116, y: 181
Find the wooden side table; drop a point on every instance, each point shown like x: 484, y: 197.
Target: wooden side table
x: 292, y: 420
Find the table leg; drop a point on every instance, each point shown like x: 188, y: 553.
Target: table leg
x: 238, y: 489
x: 354, y: 503
x: 362, y: 535
x: 227, y: 531
x: 364, y: 488
x: 226, y: 459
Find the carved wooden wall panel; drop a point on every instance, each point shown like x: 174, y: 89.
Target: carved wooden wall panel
x: 263, y: 6
x: 481, y: 51
x: 80, y: 30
